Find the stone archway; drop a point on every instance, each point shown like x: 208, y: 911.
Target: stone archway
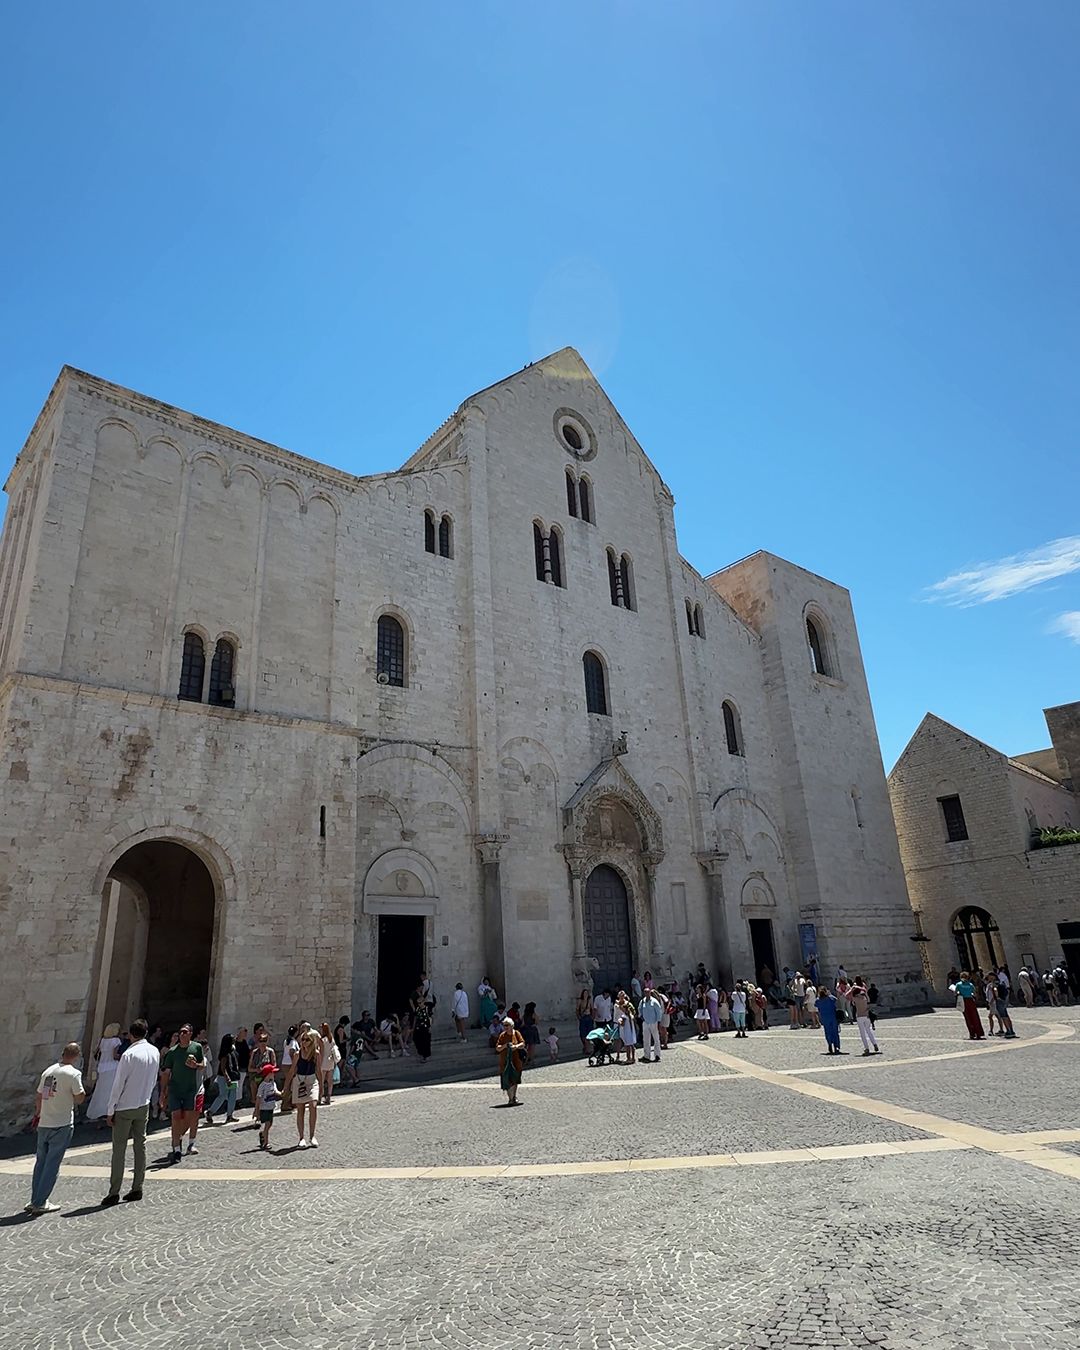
x: 155, y: 943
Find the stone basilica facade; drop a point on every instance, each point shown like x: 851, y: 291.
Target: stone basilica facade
x: 274, y: 738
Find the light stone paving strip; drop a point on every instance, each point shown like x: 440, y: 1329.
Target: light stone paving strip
x: 970, y: 1136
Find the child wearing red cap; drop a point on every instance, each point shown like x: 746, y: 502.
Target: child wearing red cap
x: 265, y: 1097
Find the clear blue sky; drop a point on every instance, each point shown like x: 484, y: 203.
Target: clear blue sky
x: 824, y: 257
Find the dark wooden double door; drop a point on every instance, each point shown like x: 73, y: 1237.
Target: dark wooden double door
x: 607, y: 929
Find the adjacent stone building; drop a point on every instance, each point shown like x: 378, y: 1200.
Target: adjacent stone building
x: 275, y: 738
x: 987, y: 883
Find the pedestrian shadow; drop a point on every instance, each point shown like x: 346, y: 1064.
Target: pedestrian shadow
x: 82, y: 1211
x: 21, y: 1217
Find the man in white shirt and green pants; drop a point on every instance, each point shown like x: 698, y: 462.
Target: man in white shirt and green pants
x: 134, y: 1083
x: 59, y: 1091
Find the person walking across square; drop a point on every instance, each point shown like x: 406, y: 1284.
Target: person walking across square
x: 59, y: 1091
x: 134, y: 1083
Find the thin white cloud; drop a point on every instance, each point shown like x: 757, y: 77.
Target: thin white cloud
x: 1068, y: 624
x: 1008, y: 576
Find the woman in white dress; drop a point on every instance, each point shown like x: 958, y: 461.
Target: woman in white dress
x: 106, y: 1056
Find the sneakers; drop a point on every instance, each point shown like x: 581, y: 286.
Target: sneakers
x: 314, y: 1142
x: 176, y: 1155
x: 302, y: 1144
x: 192, y: 1149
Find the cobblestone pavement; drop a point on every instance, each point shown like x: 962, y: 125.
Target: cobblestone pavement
x: 805, y: 1239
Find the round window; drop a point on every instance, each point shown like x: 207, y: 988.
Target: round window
x: 574, y: 433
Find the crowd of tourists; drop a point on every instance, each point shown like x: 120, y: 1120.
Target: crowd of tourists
x: 146, y: 1074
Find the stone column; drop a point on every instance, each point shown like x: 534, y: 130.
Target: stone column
x: 713, y: 864
x: 489, y: 847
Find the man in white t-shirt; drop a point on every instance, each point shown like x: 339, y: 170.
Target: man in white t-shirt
x: 59, y: 1091
x: 459, y: 1010
x: 601, y: 1008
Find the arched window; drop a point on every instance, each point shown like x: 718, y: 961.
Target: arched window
x: 390, y: 651
x: 571, y: 493
x: 614, y: 579
x: 192, y: 668
x: 978, y: 942
x: 446, y: 537
x: 555, y: 554
x: 816, y: 642
x: 222, y: 683
x: 429, y: 531
x: 690, y: 619
x: 585, y: 494
x: 732, y: 730
x: 595, y: 685
x: 538, y: 548
x: 699, y: 621
x: 626, y: 580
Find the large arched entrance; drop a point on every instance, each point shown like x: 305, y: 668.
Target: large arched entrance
x: 607, y: 928
x: 978, y: 944
x: 156, y: 939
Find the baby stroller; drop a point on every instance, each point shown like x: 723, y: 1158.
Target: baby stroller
x: 603, y: 1045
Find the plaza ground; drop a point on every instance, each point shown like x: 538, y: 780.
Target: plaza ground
x: 738, y: 1194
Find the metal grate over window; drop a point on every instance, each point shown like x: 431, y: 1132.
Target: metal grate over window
x: 390, y: 651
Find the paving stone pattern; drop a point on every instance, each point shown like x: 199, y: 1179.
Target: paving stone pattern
x: 938, y: 1251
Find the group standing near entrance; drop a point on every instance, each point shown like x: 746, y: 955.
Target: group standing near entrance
x: 140, y: 1073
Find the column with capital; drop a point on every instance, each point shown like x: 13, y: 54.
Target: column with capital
x: 582, y: 964
x: 713, y: 864
x: 489, y: 847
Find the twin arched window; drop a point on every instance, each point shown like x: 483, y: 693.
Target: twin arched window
x: 596, y: 698
x: 222, y: 691
x: 695, y: 619
x: 438, y: 535
x: 621, y: 580
x: 579, y: 497
x: 548, y: 554
x: 732, y: 729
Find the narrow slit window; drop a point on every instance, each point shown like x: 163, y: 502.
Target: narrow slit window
x: 538, y: 549
x: 595, y: 686
x: 429, y: 532
x: 690, y: 618
x: 192, y: 668
x: 222, y: 683
x: 699, y: 621
x: 322, y: 822
x: 445, y: 538
x: 585, y: 496
x: 731, y: 730
x: 555, y: 550
x: 817, y: 649
x: 571, y: 493
x: 626, y: 579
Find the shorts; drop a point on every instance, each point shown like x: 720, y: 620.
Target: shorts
x: 739, y: 1019
x: 181, y: 1101
x: 305, y: 1089
x: 266, y: 1117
